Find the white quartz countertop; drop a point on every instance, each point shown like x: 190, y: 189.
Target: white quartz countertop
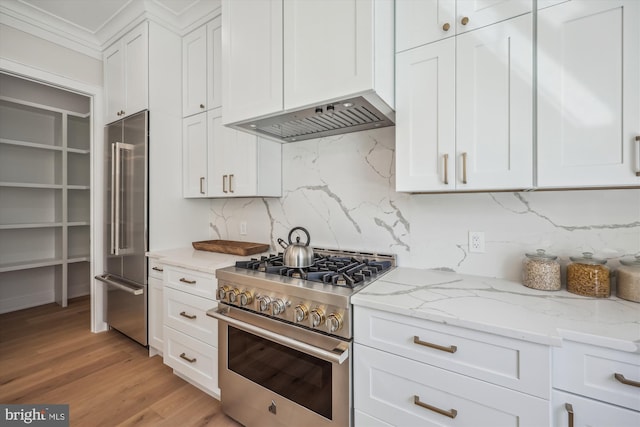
x: 505, y: 307
x: 192, y: 259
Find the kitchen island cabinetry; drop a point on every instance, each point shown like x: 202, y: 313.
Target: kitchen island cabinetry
x: 464, y: 111
x: 409, y: 371
x: 126, y: 74
x: 201, y: 68
x: 45, y: 223
x: 595, y: 386
x: 589, y: 94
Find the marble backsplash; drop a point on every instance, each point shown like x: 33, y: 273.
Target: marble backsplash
x: 342, y: 190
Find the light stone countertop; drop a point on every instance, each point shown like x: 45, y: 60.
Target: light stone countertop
x: 505, y: 308
x: 192, y: 259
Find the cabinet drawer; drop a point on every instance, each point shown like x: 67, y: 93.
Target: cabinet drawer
x: 519, y: 365
x: 387, y: 386
x: 193, y: 359
x: 156, y: 268
x: 589, y: 412
x: 591, y: 371
x: 193, y: 282
x: 188, y: 314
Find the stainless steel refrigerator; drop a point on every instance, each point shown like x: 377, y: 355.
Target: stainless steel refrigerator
x: 126, y: 237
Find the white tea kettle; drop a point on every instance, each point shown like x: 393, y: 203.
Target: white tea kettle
x: 297, y: 255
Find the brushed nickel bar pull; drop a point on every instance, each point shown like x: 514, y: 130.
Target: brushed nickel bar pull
x: 623, y: 380
x: 201, y: 185
x: 188, y: 316
x: 446, y: 169
x: 464, y: 168
x: 450, y: 349
x: 187, y: 281
x: 231, y: 183
x: 224, y: 183
x: 452, y: 413
x: 188, y: 359
x: 157, y: 269
x: 638, y: 155
x: 569, y: 409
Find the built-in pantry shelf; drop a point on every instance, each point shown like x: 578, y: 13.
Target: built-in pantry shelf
x: 45, y: 188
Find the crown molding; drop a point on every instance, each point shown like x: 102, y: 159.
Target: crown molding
x: 41, y: 24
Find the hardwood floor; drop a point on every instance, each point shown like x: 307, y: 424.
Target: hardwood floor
x: 48, y: 355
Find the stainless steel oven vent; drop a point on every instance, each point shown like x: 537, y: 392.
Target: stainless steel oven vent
x: 344, y: 116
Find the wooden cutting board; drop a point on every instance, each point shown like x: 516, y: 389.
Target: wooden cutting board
x: 231, y: 247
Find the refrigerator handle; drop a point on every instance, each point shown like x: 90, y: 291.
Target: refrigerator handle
x: 114, y: 196
x: 135, y: 290
x: 118, y: 204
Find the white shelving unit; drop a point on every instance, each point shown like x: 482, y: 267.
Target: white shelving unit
x: 45, y: 187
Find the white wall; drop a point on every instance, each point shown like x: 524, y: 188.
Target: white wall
x: 342, y: 190
x: 41, y: 54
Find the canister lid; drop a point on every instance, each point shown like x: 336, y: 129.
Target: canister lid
x: 632, y: 262
x: 541, y: 255
x: 587, y: 258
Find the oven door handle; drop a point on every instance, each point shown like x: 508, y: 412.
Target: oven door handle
x: 320, y: 353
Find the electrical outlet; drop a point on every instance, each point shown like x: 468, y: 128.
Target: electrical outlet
x: 476, y: 241
x: 243, y: 228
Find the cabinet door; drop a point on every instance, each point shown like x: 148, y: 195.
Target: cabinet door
x: 194, y: 156
x: 136, y: 70
x: 589, y: 94
x: 194, y: 72
x: 214, y: 64
x: 218, y: 165
x: 494, y: 106
x: 419, y: 22
x: 425, y: 118
x: 114, y: 81
x: 321, y: 64
x: 570, y: 410
x: 252, y: 57
x: 480, y: 13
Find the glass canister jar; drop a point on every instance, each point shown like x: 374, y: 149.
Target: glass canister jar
x: 629, y: 279
x: 588, y: 276
x: 541, y: 271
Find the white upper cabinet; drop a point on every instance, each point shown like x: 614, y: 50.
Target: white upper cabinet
x: 589, y: 94
x: 287, y: 54
x: 252, y: 58
x: 201, y: 69
x: 426, y: 21
x: 126, y: 71
x: 241, y: 164
x: 194, y: 156
x: 464, y: 111
x: 324, y: 61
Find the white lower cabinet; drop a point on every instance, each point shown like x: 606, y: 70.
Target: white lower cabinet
x: 410, y: 372
x: 190, y: 336
x: 156, y: 321
x: 595, y: 386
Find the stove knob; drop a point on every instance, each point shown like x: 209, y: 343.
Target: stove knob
x: 277, y: 306
x: 334, y: 320
x: 246, y: 298
x: 222, y: 292
x: 232, y: 295
x: 300, y: 313
x: 317, y: 317
x: 263, y: 303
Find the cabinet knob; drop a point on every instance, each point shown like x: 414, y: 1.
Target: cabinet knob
x: 202, y: 106
x: 464, y: 21
x: 446, y: 26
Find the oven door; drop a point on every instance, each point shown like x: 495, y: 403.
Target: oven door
x: 274, y: 374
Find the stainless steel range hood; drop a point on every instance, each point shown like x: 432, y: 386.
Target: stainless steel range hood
x: 357, y: 113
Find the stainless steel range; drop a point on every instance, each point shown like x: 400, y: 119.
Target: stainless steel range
x: 285, y: 337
